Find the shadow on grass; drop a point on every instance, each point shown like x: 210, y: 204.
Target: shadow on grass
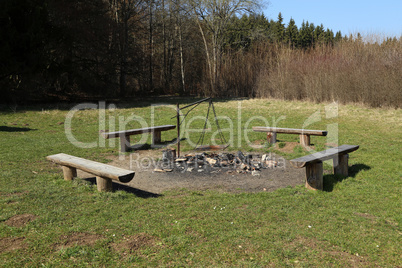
x: 355, y: 169
x: 331, y: 180
x: 15, y: 129
x: 128, y: 189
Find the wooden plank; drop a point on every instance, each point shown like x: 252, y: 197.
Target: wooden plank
x: 95, y: 168
x: 291, y: 131
x: 314, y: 176
x: 108, y: 135
x: 104, y: 184
x: 305, y: 140
x: 124, y: 143
x: 156, y: 137
x: 341, y: 165
x: 323, y: 155
x: 69, y: 173
x: 271, y: 137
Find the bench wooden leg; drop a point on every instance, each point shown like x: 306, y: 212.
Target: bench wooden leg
x: 314, y: 176
x: 156, y: 137
x: 305, y: 140
x: 341, y: 165
x: 124, y: 143
x: 69, y: 173
x: 104, y: 184
x: 271, y: 137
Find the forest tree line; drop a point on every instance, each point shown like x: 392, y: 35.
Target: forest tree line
x: 77, y: 49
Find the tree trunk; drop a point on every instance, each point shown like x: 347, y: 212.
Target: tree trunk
x: 214, y: 62
x: 163, y: 72
x: 151, y: 85
x: 183, y: 81
x: 207, y: 55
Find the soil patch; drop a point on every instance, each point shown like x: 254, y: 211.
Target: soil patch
x: 367, y: 216
x: 131, y: 244
x: 307, y: 244
x: 12, y: 243
x: 77, y: 239
x: 20, y: 220
x: 13, y: 194
x: 288, y: 147
x: 223, y: 180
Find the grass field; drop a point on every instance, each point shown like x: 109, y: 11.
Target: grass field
x: 354, y: 222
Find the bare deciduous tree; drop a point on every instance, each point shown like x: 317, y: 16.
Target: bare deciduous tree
x: 213, y: 17
x: 126, y: 14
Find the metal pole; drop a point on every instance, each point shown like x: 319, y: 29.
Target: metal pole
x: 195, y: 103
x: 192, y: 104
x: 178, y: 130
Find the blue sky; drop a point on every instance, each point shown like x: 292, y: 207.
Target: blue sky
x: 380, y: 17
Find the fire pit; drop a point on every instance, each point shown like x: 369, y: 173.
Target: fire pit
x: 157, y: 171
x: 210, y: 162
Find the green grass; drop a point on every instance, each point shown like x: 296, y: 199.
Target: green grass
x: 354, y: 222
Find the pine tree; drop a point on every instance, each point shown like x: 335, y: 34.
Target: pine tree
x: 329, y: 37
x: 291, y: 33
x: 319, y: 35
x: 260, y: 28
x: 305, y: 37
x: 338, y: 36
x: 279, y: 29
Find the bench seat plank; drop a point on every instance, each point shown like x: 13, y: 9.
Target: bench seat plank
x: 95, y: 168
x: 116, y: 134
x: 323, y: 155
x: 291, y: 131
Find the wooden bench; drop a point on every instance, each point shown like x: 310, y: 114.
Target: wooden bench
x: 314, y: 166
x: 304, y: 133
x: 104, y: 173
x: 125, y: 135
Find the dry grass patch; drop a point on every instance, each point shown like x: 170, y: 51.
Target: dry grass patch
x: 326, y: 253
x: 20, y: 220
x: 13, y: 194
x: 12, y: 243
x: 367, y: 216
x: 134, y: 243
x: 77, y: 239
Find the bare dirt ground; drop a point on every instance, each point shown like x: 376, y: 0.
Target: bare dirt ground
x: 76, y: 239
x: 20, y: 220
x: 143, y: 162
x: 15, y: 243
x: 12, y: 243
x: 132, y: 244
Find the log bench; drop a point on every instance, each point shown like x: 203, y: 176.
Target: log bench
x: 104, y: 173
x: 125, y: 135
x: 304, y: 133
x: 314, y: 166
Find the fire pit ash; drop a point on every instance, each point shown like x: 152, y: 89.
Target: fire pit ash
x: 209, y: 162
